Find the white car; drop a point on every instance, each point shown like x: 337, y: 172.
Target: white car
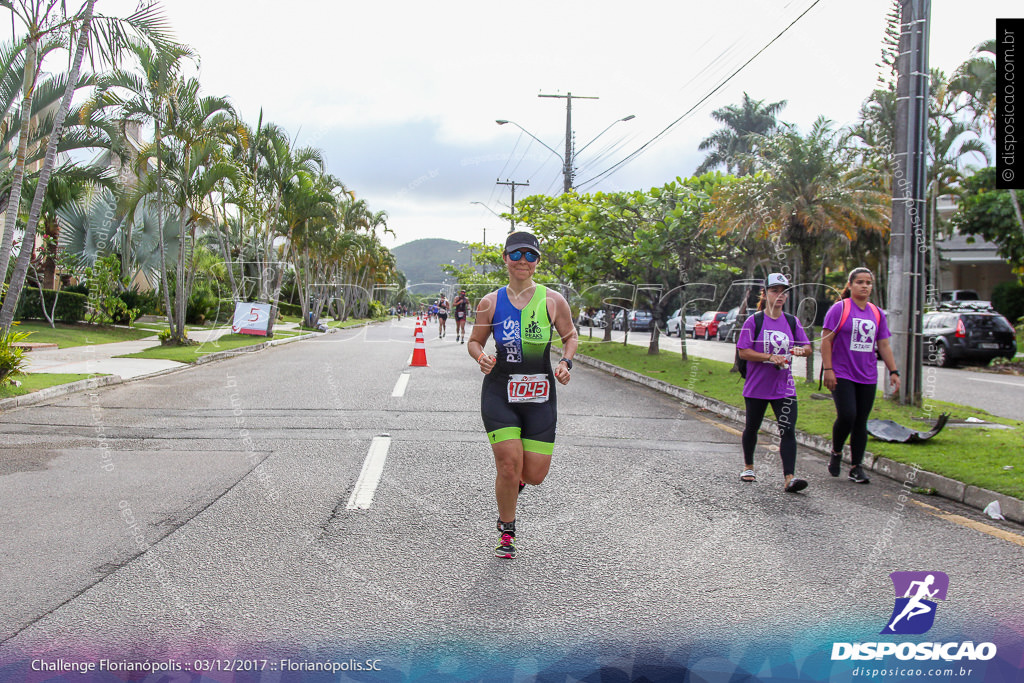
x: 676, y: 320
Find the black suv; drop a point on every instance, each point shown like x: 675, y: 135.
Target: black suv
x: 728, y: 329
x: 951, y: 336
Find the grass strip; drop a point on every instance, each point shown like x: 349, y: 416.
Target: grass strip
x: 190, y: 354
x: 79, y: 334
x: 974, y: 455
x: 341, y: 324
x: 39, y: 380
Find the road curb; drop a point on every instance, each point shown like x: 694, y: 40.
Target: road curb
x: 972, y: 496
x: 48, y: 393
x: 58, y: 390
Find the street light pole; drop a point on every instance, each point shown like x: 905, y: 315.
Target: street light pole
x: 568, y: 161
x: 513, y: 184
x: 567, y: 165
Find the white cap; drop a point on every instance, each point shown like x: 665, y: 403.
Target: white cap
x: 775, y: 280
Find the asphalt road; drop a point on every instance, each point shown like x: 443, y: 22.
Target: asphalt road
x: 217, y: 524
x: 1001, y: 395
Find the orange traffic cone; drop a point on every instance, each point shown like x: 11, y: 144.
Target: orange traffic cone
x: 419, y: 327
x: 419, y: 353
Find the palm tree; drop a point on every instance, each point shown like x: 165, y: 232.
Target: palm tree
x: 140, y: 96
x: 745, y: 123
x: 976, y: 79
x: 105, y: 38
x: 189, y: 170
x: 809, y: 193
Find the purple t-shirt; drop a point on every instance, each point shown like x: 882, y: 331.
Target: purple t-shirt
x: 853, y: 347
x: 765, y: 380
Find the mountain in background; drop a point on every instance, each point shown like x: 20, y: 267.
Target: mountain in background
x: 421, y: 261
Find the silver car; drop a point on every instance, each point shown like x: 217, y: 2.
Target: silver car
x: 677, y: 321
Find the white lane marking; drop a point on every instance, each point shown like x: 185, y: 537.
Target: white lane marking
x: 409, y: 361
x: 994, y: 381
x: 373, y: 468
x: 399, y: 390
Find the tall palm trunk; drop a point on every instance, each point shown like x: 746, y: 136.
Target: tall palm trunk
x: 179, y: 279
x: 165, y: 284
x: 21, y: 266
x: 18, y: 179
x: 1016, y: 209
x: 225, y: 240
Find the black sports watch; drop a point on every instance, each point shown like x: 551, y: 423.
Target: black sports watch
x: 567, y: 361
x: 894, y: 372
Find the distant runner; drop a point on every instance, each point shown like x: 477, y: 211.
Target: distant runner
x: 517, y: 401
x: 461, y: 313
x: 442, y: 316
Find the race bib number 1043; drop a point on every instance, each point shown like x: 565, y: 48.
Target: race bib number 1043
x: 528, y: 389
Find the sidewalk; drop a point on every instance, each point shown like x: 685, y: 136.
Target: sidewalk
x: 101, y: 359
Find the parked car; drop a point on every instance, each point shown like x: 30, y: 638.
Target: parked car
x: 598, y: 319
x: 967, y: 335
x: 679, y: 324
x: 586, y: 317
x: 958, y: 297
x: 707, y: 326
x: 638, y: 320
x: 729, y: 329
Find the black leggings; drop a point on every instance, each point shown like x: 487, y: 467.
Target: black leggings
x: 785, y: 415
x: 853, y: 406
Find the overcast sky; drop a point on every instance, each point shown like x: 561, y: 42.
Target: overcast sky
x: 403, y: 96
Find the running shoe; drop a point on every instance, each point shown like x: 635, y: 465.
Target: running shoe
x: 522, y: 485
x: 857, y: 475
x: 834, y: 461
x: 506, y: 549
x: 795, y: 485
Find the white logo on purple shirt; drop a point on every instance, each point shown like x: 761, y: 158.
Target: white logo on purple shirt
x: 776, y: 343
x: 863, y: 336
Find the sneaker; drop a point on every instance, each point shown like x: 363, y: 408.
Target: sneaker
x: 795, y: 485
x: 506, y: 548
x: 857, y: 475
x: 522, y: 485
x: 834, y: 461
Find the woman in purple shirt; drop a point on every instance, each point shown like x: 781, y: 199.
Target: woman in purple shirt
x: 767, y: 341
x: 852, y: 329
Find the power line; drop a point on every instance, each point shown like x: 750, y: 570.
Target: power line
x: 702, y: 100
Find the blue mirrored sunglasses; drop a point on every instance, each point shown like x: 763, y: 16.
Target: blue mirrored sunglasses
x: 518, y: 254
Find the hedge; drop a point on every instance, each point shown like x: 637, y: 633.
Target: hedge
x: 1008, y: 299
x: 70, y: 305
x: 293, y: 310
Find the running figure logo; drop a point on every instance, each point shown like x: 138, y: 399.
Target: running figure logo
x: 914, y: 612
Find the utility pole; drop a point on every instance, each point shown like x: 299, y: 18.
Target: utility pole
x: 513, y: 184
x: 567, y: 165
x: 909, y: 241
